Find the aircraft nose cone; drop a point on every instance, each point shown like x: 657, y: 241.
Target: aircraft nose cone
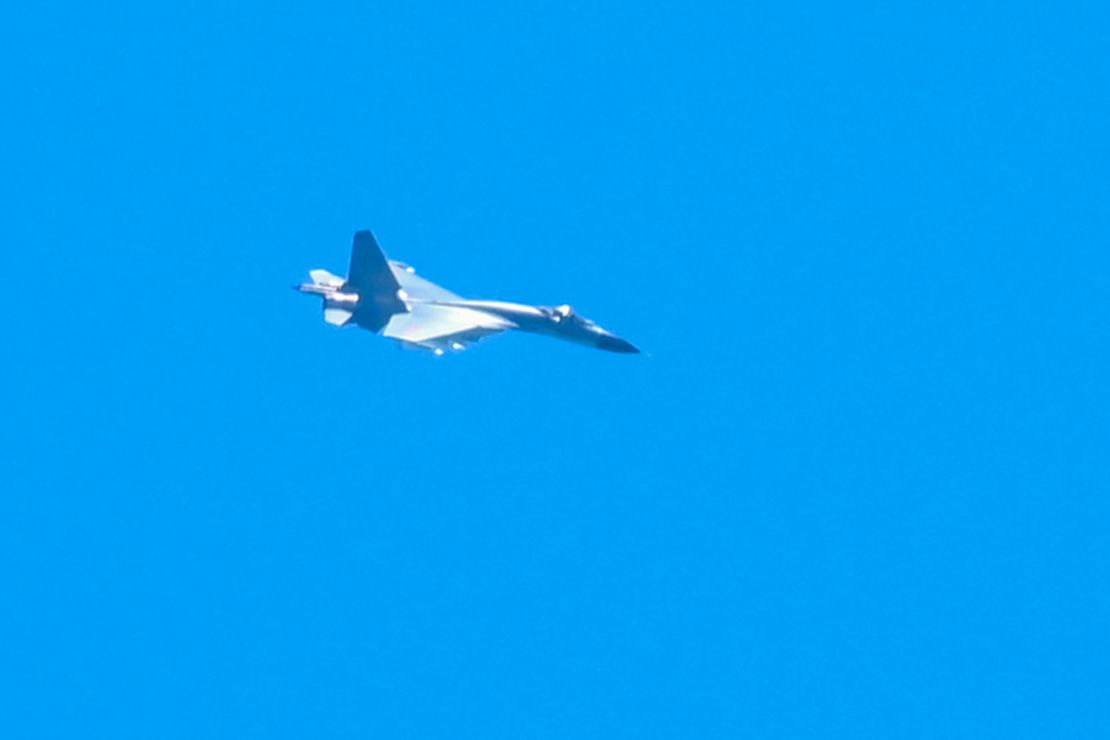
x: 616, y: 344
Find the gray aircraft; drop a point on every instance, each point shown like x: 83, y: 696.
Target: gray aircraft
x: 388, y: 297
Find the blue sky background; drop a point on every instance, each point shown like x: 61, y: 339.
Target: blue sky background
x: 857, y: 489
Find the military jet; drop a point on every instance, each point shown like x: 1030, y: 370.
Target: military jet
x: 388, y: 297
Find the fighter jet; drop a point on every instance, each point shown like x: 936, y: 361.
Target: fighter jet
x: 389, y: 298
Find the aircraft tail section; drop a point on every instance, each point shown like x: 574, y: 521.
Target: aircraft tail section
x: 371, y: 278
x: 337, y: 316
x: 369, y: 272
x: 370, y: 294
x: 325, y: 278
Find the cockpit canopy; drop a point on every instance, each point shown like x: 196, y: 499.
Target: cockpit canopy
x: 565, y: 314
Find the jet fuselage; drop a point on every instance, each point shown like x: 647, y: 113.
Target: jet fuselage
x: 387, y: 297
x: 560, y: 322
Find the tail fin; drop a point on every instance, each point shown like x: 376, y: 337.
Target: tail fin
x: 370, y: 273
x: 374, y: 282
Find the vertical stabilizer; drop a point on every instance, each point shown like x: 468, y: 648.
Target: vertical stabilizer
x: 375, y: 284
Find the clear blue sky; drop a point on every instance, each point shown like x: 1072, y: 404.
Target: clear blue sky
x: 857, y: 488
